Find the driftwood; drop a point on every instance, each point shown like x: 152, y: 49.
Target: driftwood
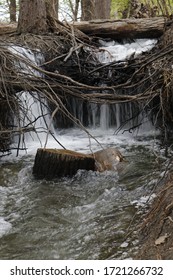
x: 126, y: 28
x: 52, y: 163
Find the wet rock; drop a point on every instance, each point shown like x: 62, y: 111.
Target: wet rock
x: 107, y: 159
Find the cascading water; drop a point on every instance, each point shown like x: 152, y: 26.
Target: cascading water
x: 34, y: 111
x: 34, y: 115
x: 84, y: 217
x: 112, y: 51
x: 105, y: 115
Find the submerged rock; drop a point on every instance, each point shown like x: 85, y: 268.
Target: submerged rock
x: 107, y: 159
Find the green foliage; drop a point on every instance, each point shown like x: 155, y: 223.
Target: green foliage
x: 153, y: 7
x: 118, y: 6
x: 3, y: 2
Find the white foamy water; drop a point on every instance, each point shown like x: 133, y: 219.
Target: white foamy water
x: 34, y: 114
x: 5, y: 226
x: 113, y: 51
x: 26, y: 57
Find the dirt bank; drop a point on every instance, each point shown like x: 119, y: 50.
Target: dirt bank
x: 157, y: 228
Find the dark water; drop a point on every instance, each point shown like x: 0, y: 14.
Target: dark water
x: 89, y: 216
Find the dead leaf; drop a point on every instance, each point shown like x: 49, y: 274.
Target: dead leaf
x: 161, y: 239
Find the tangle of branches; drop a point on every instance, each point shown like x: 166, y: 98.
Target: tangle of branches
x: 70, y: 69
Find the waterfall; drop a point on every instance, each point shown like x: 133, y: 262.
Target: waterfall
x: 106, y: 116
x: 111, y: 51
x: 35, y: 114
x: 116, y: 115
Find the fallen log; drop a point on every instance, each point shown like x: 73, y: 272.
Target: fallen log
x: 125, y: 28
x: 52, y: 163
x: 7, y: 28
x: 115, y: 29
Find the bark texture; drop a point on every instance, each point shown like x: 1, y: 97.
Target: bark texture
x: 87, y: 7
x: 52, y: 163
x: 7, y: 28
x: 156, y: 237
x: 127, y: 28
x: 102, y: 9
x: 12, y: 10
x: 32, y: 17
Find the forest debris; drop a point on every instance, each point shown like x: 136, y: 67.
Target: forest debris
x: 171, y: 220
x: 141, y: 81
x: 161, y: 239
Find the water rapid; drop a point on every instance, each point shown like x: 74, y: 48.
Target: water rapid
x: 88, y: 216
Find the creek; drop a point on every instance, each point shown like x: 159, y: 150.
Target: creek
x: 89, y: 216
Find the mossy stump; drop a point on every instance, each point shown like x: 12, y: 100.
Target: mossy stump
x: 52, y: 163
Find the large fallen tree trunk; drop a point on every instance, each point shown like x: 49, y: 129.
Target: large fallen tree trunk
x: 115, y: 29
x: 126, y: 28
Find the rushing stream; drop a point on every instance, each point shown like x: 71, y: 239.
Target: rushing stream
x: 89, y: 216
x: 84, y: 217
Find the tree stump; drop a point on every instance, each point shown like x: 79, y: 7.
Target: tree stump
x: 52, y: 163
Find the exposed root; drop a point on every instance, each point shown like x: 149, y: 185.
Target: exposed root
x: 68, y: 71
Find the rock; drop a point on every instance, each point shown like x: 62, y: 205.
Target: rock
x: 107, y: 159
